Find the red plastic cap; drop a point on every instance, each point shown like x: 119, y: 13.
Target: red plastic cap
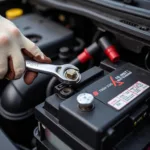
x: 112, y: 54
x: 84, y: 56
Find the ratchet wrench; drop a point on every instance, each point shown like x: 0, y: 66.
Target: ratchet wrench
x: 67, y: 73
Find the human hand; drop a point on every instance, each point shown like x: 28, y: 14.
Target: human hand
x: 13, y: 47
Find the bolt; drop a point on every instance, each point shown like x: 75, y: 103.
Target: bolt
x: 64, y: 53
x: 71, y: 74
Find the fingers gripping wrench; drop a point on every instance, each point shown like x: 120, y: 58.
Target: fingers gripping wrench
x: 66, y: 73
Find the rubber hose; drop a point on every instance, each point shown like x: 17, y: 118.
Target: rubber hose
x: 79, y: 47
x: 50, y: 86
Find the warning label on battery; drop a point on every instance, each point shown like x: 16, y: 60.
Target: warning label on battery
x: 128, y: 95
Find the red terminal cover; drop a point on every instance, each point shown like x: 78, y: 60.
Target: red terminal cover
x: 84, y: 56
x: 112, y: 54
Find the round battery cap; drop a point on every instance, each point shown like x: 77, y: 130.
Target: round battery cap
x: 85, y: 101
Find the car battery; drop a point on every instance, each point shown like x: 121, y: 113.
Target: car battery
x: 98, y: 113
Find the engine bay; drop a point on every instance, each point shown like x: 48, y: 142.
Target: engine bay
x: 109, y: 109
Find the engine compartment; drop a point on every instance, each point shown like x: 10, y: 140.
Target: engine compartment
x: 111, y: 49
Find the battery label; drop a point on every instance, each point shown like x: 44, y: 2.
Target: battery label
x: 128, y: 95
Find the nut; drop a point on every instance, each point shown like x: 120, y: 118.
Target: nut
x: 71, y: 74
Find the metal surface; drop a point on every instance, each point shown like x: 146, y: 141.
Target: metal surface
x: 85, y: 101
x: 71, y: 74
x: 59, y: 71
